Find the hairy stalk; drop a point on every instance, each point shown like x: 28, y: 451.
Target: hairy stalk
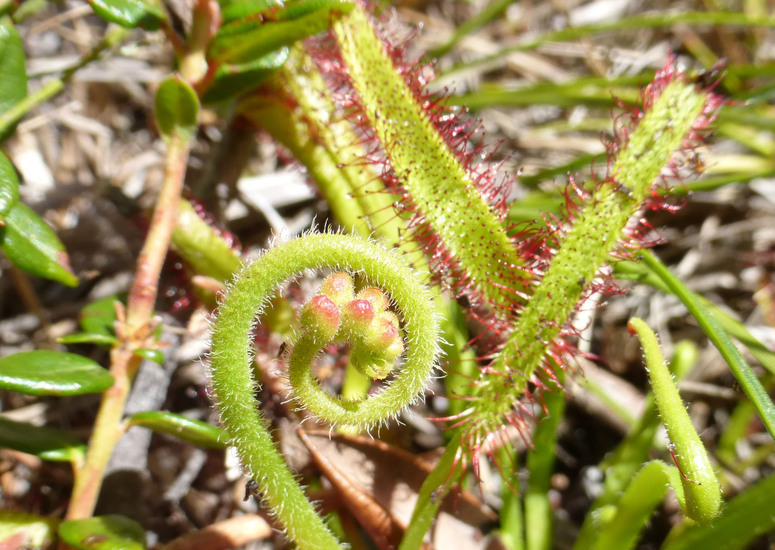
x: 232, y: 371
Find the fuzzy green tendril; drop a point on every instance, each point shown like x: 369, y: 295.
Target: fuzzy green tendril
x: 232, y: 359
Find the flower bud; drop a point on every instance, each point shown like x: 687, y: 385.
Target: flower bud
x: 320, y: 318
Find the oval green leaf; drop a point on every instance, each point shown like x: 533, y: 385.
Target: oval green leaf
x: 88, y: 338
x: 41, y: 441
x: 130, y: 13
x: 177, y: 109
x: 111, y: 532
x: 34, y: 247
x: 154, y: 355
x: 194, y: 431
x: 13, y: 72
x: 47, y: 372
x: 9, y: 186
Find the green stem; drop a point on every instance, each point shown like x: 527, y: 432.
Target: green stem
x: 233, y: 376
x: 700, y: 485
x: 432, y: 493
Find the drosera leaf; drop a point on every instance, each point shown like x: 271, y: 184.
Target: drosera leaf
x: 34, y: 247
x: 42, y: 441
x: 110, y: 532
x: 23, y: 530
x: 188, y: 429
x: 154, y: 355
x: 46, y: 372
x: 130, y: 13
x: 13, y: 72
x: 177, y: 109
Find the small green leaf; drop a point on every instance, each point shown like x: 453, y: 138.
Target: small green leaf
x: 45, y: 372
x: 23, y: 530
x: 99, y: 317
x: 34, y: 247
x: 232, y: 11
x: 154, y: 355
x: 130, y: 13
x: 13, y: 72
x: 194, y: 431
x: 247, y: 39
x: 88, y: 338
x: 177, y: 108
x: 41, y: 441
x: 231, y: 80
x: 9, y: 186
x: 112, y: 532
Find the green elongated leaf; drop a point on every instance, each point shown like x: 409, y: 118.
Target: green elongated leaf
x: 194, y: 431
x: 13, y: 72
x: 9, y: 186
x: 245, y: 40
x: 130, y: 13
x: 23, y: 530
x: 177, y: 109
x: 111, y: 532
x: 88, y: 338
x: 45, y: 372
x: 154, y: 355
x: 34, y: 247
x: 231, y: 80
x: 41, y: 441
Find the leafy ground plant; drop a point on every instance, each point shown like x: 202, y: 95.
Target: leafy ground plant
x: 436, y: 303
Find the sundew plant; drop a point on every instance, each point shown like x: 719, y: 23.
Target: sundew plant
x: 436, y: 283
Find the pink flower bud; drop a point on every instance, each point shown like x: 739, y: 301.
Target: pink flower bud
x: 320, y: 317
x: 338, y: 287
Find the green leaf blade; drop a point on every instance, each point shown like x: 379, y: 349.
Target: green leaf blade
x: 177, y: 109
x: 194, y: 431
x: 130, y: 13
x: 45, y: 372
x: 9, y: 186
x: 41, y: 441
x: 110, y: 532
x: 34, y: 247
x: 13, y: 72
